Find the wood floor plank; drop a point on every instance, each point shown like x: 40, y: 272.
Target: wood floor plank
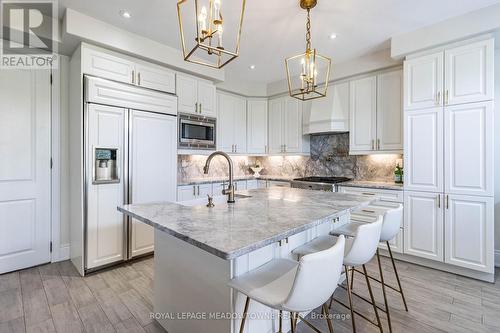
x: 129, y: 326
x: 13, y: 326
x: 115, y: 310
x: 9, y: 281
x: 56, y: 291
x: 94, y: 319
x: 46, y: 326
x: 11, y: 306
x: 66, y: 318
x: 154, y: 327
x: 139, y: 308
x: 79, y: 291
x: 36, y: 308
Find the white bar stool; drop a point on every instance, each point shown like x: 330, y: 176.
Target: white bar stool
x: 287, y: 285
x: 392, y: 218
x: 360, y: 249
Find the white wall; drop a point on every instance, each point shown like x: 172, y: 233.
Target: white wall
x: 497, y: 152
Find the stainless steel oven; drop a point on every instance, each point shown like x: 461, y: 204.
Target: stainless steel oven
x: 196, y: 132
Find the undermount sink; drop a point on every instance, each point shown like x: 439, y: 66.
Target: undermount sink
x: 218, y: 200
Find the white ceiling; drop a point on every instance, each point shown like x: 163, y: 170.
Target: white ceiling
x: 274, y: 29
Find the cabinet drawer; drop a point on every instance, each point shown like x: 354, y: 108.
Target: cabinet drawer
x: 383, y: 195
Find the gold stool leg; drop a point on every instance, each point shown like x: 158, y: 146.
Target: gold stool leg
x: 292, y: 321
x: 372, y: 298
x: 281, y: 322
x: 397, y: 276
x: 350, y: 298
x: 328, y: 319
x: 352, y: 278
x: 242, y: 327
x: 383, y: 291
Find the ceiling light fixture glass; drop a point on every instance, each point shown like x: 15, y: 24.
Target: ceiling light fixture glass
x: 210, y: 49
x: 125, y: 14
x: 308, y: 73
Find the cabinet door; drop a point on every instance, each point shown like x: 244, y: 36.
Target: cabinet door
x: 341, y: 101
x: 154, y: 77
x: 186, y: 193
x: 423, y: 231
x: 396, y: 243
x: 252, y: 184
x: 424, y: 150
x: 152, y: 169
x: 292, y: 126
x: 225, y: 122
x: 469, y: 73
x: 217, y: 188
x: 423, y: 82
x: 206, y: 99
x: 240, y: 126
x: 105, y: 224
x: 107, y: 66
x: 276, y: 126
x: 390, y: 111
x: 469, y: 149
x: 240, y: 185
x: 203, y: 190
x: 363, y: 113
x: 469, y: 236
x: 187, y: 94
x: 257, y: 127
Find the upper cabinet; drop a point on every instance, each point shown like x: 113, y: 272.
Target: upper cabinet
x: 330, y: 113
x: 113, y: 66
x: 231, y: 123
x: 257, y: 126
x: 457, y: 75
x: 285, y: 127
x: 196, y: 96
x: 375, y: 110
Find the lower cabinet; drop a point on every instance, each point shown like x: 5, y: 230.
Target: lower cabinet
x: 190, y: 192
x: 252, y: 184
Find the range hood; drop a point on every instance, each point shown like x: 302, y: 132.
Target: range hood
x: 329, y: 114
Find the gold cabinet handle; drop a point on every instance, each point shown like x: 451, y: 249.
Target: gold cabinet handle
x: 196, y: 107
x: 139, y: 78
x: 446, y: 98
x: 439, y: 200
x: 133, y: 77
x: 447, y: 203
x: 438, y: 98
x: 373, y: 144
x: 378, y: 144
x: 200, y: 108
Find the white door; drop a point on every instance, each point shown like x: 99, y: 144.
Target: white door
x: 24, y: 169
x: 423, y: 231
x: 292, y: 126
x: 363, y: 113
x: 275, y: 126
x: 423, y: 150
x: 469, y: 73
x: 225, y: 122
x: 469, y: 236
x: 105, y: 224
x: 390, y: 111
x: 240, y: 126
x: 206, y: 99
x: 157, y: 78
x: 187, y: 94
x: 423, y: 82
x: 152, y: 168
x: 469, y: 149
x: 257, y: 126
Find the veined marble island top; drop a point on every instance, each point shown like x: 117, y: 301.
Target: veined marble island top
x: 231, y: 230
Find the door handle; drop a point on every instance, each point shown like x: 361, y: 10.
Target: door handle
x: 378, y: 144
x: 198, y: 190
x: 139, y: 78
x: 194, y: 190
x: 196, y: 107
x: 447, y: 203
x: 133, y: 77
x: 373, y: 144
x: 235, y: 148
x: 200, y: 107
x: 439, y: 200
x: 446, y: 97
x: 438, y: 98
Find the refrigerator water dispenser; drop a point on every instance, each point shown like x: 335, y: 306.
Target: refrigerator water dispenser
x: 105, y: 166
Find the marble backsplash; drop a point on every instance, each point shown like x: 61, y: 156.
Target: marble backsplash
x: 329, y: 157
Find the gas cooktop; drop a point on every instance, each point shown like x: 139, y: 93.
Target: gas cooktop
x: 318, y: 183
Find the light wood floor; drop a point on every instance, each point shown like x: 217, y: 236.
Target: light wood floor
x: 54, y: 298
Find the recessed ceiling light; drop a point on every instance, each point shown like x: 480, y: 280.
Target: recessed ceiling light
x: 333, y: 36
x: 251, y: 66
x: 125, y: 14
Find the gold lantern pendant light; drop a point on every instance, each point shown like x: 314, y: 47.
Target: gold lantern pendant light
x: 308, y: 73
x: 209, y: 31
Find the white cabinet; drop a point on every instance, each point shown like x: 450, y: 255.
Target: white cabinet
x: 363, y: 114
x: 114, y: 66
x: 423, y: 85
x: 196, y: 96
x: 469, y: 151
x: 252, y: 184
x: 424, y: 150
x: 376, y: 114
x: 469, y: 232
x: 423, y: 225
x: 232, y: 124
x: 190, y: 192
x: 285, y: 126
x: 257, y: 126
x: 330, y: 113
x: 469, y: 73
x: 240, y: 185
x: 390, y: 111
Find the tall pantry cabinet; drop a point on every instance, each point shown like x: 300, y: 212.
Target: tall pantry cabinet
x: 448, y: 129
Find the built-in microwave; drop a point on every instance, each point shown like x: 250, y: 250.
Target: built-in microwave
x: 196, y: 132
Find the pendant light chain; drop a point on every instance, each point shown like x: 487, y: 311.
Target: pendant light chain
x: 308, y: 31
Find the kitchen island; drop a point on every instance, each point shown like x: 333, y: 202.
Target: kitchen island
x: 199, y: 249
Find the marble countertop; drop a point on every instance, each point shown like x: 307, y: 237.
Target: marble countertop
x: 208, y: 180
x: 229, y: 231
x: 373, y: 184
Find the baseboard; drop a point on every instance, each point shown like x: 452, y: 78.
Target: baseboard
x: 497, y: 258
